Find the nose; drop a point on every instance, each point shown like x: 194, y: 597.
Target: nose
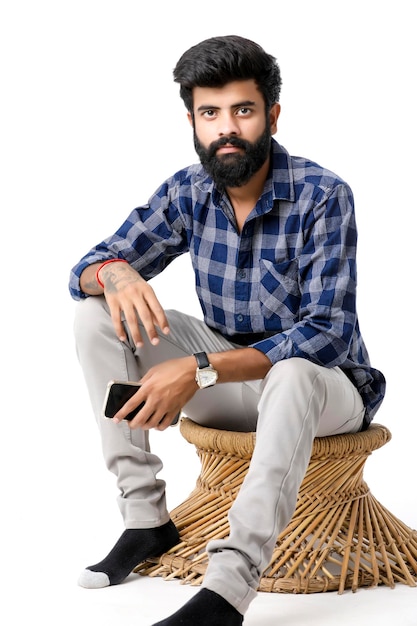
x: 228, y: 124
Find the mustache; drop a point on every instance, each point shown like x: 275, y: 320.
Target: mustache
x: 223, y: 141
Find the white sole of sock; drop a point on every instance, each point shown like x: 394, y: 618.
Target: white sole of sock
x: 93, y: 580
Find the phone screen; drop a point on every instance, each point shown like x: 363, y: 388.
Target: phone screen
x: 118, y: 393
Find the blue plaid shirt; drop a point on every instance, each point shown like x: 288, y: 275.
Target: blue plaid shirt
x: 285, y: 285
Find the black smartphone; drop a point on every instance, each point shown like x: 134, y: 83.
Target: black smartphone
x: 117, y: 394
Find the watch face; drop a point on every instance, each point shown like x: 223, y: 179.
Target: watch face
x: 206, y: 377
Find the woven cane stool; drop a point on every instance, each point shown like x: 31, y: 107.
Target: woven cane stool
x: 339, y: 537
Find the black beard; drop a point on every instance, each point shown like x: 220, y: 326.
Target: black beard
x: 234, y: 170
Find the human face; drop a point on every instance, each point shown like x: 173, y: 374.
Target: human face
x: 231, y: 135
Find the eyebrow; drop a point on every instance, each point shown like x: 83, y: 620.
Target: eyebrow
x: 244, y: 103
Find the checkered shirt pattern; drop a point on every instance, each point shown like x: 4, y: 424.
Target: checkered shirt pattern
x: 285, y: 284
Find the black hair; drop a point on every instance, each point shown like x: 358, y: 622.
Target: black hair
x: 219, y: 60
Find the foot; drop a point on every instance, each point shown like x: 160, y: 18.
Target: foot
x: 206, y: 608
x: 134, y: 546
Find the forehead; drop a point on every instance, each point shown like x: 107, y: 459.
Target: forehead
x: 232, y: 94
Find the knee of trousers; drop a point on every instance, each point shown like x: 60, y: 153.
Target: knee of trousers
x: 91, y: 318
x: 295, y: 368
x: 292, y: 378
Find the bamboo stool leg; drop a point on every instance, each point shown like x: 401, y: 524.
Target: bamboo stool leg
x: 339, y: 537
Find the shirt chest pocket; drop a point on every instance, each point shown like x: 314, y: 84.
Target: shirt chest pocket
x: 279, y: 292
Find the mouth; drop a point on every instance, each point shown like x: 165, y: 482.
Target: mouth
x: 228, y: 149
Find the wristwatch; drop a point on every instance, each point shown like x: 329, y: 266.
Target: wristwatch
x: 205, y: 374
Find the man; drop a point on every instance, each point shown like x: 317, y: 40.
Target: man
x: 272, y: 240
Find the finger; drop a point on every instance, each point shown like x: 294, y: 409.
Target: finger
x: 165, y: 422
x: 146, y: 418
x: 135, y: 403
x: 116, y: 317
x: 160, y: 421
x: 131, y: 313
x: 158, y: 313
x: 148, y: 320
x: 143, y: 419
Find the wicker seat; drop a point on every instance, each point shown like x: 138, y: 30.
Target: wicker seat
x: 339, y: 537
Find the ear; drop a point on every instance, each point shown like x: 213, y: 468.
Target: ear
x: 190, y: 117
x: 273, y: 117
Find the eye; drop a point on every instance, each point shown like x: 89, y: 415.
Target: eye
x: 244, y: 111
x: 209, y: 113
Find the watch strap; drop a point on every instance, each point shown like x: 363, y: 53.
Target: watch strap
x: 202, y: 360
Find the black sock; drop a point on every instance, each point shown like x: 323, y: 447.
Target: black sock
x: 134, y: 546
x: 206, y: 608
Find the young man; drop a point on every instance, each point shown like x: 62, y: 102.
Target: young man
x: 272, y: 240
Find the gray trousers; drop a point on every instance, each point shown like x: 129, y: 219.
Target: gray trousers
x: 294, y: 403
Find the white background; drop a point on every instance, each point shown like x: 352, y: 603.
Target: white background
x: 91, y: 123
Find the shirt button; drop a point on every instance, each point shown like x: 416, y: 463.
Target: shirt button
x: 239, y: 318
x: 241, y: 273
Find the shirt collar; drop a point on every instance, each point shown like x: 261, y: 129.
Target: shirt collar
x: 282, y: 175
x: 278, y: 186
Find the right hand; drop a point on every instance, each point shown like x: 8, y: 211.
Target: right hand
x: 127, y: 293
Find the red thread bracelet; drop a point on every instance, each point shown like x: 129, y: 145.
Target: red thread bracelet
x: 106, y: 263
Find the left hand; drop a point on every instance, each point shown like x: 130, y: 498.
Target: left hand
x: 166, y: 388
